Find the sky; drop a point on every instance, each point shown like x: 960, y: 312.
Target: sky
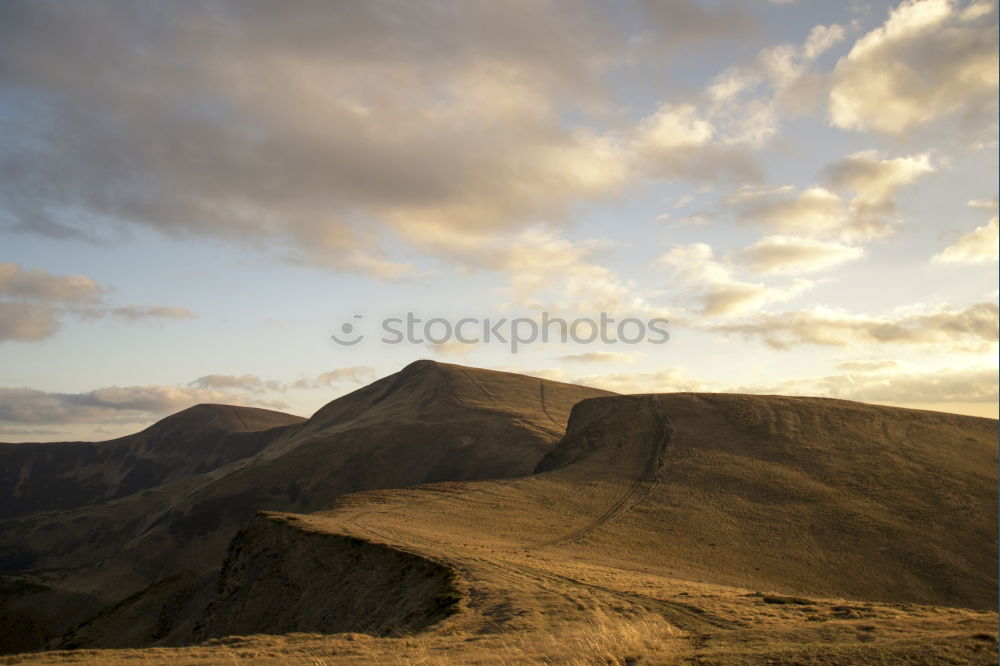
x: 195, y: 196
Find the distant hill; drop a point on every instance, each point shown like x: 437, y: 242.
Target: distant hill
x: 66, y: 475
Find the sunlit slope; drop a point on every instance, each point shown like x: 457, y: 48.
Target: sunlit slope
x: 796, y: 495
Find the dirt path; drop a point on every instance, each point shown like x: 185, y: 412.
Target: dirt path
x: 541, y: 399
x: 656, y: 439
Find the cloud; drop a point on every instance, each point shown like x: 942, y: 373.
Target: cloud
x: 128, y: 404
x: 22, y: 433
x: 652, y: 381
x: 927, y: 61
x: 40, y: 285
x: 883, y: 381
x: 896, y: 383
x: 867, y: 366
x: 137, y: 312
x: 795, y: 255
x: 747, y: 99
x: 370, y: 126
x: 946, y: 385
x: 451, y: 348
x: 871, y: 212
x: 714, y: 286
x: 820, y: 39
x: 678, y: 142
x: 658, y: 381
x: 34, y: 303
x: 545, y: 271
x: 814, y: 211
x: 597, y: 357
x: 984, y: 203
x: 874, y: 181
x: 679, y: 23
x: 137, y: 404
x: 976, y: 247
x: 247, y: 382
x: 27, y: 322
x: 356, y: 374
x: 972, y: 329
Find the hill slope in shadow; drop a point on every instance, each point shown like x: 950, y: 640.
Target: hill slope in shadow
x: 65, y: 475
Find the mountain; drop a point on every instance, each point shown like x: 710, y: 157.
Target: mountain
x: 429, y: 422
x: 66, y: 475
x: 455, y: 507
x: 804, y: 496
x: 725, y: 516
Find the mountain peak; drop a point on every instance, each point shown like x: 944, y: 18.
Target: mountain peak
x: 426, y: 387
x: 207, y: 416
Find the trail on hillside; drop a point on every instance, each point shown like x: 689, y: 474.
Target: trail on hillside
x: 656, y: 439
x: 545, y: 408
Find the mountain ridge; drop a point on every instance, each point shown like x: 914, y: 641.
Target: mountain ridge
x: 429, y: 422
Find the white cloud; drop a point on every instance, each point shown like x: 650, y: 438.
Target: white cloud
x: 897, y: 383
x: 355, y: 374
x: 925, y: 62
x: 796, y: 255
x: 820, y: 39
x: 40, y: 285
x: 114, y: 404
x: 714, y: 286
x: 598, y: 357
x: 367, y: 127
x: 972, y: 329
x: 879, y: 381
x: 545, y: 271
x: 871, y: 212
x: 945, y: 385
x: 980, y: 245
x: 674, y: 127
x: 747, y: 99
x: 452, y: 348
x: 977, y: 10
x: 34, y: 303
x: 247, y: 382
x: 27, y: 322
x: 875, y: 180
x: 137, y: 312
x: 671, y: 380
x: 814, y: 211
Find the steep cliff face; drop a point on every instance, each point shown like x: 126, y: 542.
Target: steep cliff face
x: 280, y: 577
